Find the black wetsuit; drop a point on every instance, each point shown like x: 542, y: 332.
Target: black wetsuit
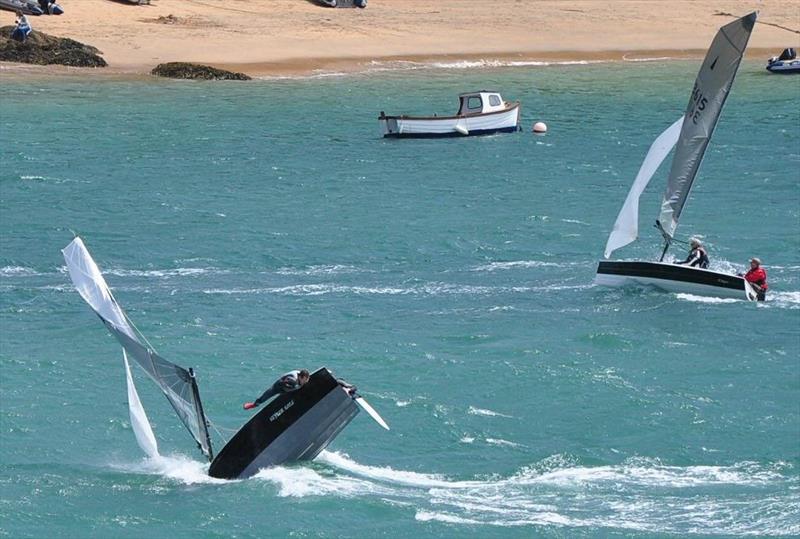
x: 697, y: 258
x: 286, y: 383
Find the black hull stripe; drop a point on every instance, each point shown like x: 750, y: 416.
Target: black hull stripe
x: 671, y: 272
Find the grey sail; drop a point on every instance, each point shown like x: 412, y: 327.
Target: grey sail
x: 711, y: 89
x: 177, y: 383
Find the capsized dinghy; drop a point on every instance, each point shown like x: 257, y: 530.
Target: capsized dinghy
x: 294, y: 426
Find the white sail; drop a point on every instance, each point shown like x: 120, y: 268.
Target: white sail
x: 711, y: 89
x: 92, y: 287
x: 139, y: 422
x: 175, y: 382
x: 626, y: 227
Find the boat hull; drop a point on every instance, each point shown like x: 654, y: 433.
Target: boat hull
x: 28, y: 7
x: 673, y: 278
x: 293, y: 426
x: 784, y: 67
x: 506, y: 121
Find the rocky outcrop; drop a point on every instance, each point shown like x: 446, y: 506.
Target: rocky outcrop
x: 43, y: 49
x: 183, y: 70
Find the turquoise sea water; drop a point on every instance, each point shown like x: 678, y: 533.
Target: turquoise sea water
x: 249, y: 229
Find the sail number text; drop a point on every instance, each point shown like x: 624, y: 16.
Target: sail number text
x: 699, y: 102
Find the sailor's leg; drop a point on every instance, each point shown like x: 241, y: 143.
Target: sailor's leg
x: 273, y: 390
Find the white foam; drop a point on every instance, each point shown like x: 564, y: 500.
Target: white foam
x: 390, y: 475
x: 177, y: 467
x: 426, y: 516
x: 790, y: 300
x: 575, y: 221
x: 707, y: 299
x: 160, y: 273
x: 484, y: 412
x: 327, y: 269
x: 639, y: 494
x: 13, y: 271
x: 428, y: 289
x: 653, y: 59
x: 301, y: 481
x: 494, y: 266
x: 501, y: 442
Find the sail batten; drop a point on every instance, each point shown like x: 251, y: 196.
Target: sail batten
x: 711, y: 89
x: 175, y: 382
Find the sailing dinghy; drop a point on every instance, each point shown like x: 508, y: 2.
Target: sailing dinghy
x: 691, y: 134
x: 293, y: 426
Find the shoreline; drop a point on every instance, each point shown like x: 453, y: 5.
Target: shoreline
x: 308, y: 68
x: 296, y: 38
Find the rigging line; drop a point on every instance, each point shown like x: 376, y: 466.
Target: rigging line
x: 214, y: 426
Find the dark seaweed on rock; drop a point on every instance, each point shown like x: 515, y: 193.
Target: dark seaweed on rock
x: 44, y: 49
x: 184, y: 70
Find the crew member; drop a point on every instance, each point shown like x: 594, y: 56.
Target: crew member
x: 698, y: 258
x: 291, y: 381
x: 23, y: 28
x: 757, y: 277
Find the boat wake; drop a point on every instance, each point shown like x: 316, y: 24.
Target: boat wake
x: 779, y: 300
x: 639, y: 494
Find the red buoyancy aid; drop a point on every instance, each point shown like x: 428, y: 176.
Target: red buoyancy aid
x: 757, y: 276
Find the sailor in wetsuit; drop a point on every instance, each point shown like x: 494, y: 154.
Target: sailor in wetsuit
x: 757, y: 277
x: 291, y: 381
x: 698, y: 258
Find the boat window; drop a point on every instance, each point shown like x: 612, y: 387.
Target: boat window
x: 494, y: 100
x: 474, y: 103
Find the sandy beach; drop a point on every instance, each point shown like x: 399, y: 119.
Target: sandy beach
x: 287, y: 37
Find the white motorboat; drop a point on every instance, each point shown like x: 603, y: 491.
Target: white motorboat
x: 690, y: 134
x: 479, y: 113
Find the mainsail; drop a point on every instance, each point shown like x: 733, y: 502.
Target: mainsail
x: 711, y: 89
x: 177, y: 384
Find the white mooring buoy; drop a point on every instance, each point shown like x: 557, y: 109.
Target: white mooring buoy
x: 540, y: 128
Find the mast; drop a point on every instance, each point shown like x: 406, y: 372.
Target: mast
x: 667, y: 240
x: 202, y: 418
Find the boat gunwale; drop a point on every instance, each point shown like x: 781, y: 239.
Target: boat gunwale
x: 511, y: 106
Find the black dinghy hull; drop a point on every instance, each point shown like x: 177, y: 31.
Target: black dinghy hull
x: 293, y: 426
x: 673, y: 278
